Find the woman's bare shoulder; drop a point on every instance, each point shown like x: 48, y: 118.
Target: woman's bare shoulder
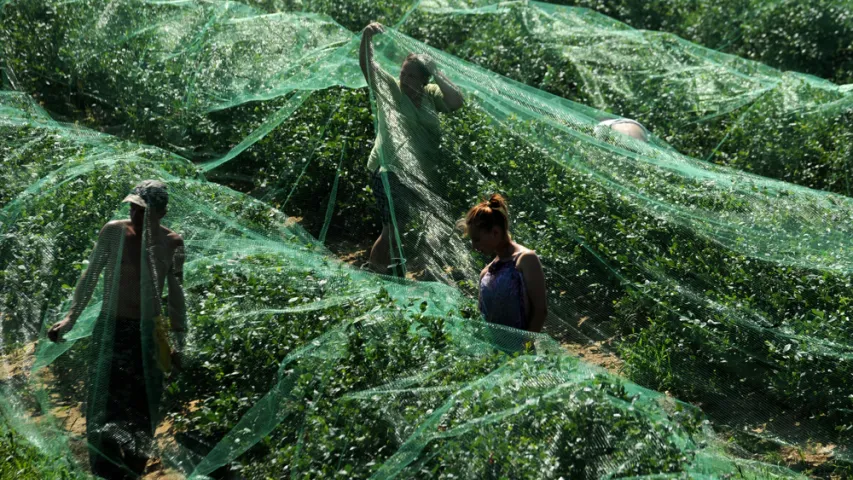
x: 528, y: 258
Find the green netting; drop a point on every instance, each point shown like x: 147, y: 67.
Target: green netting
x: 811, y: 37
x: 338, y: 372
x: 723, y: 288
x: 708, y: 105
x: 23, y: 460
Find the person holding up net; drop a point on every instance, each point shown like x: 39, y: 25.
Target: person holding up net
x: 512, y: 285
x: 411, y: 140
x: 130, y: 351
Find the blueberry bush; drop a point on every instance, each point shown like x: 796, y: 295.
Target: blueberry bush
x: 22, y: 460
x: 706, y: 104
x: 718, y: 286
x: 298, y: 364
x: 812, y: 37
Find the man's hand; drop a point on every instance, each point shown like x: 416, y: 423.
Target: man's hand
x: 373, y: 29
x: 58, y: 329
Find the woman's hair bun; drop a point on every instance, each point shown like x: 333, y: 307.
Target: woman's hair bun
x: 497, y: 202
x: 487, y: 214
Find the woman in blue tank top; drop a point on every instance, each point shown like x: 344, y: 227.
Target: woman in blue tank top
x: 512, y: 286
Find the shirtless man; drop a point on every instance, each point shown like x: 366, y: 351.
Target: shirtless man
x: 121, y: 414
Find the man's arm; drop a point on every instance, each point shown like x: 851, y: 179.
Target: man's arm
x: 534, y: 279
x: 177, y: 301
x: 106, y: 246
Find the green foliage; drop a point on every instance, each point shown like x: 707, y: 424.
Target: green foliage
x: 329, y: 137
x: 359, y: 381
x: 361, y: 348
x: 23, y: 461
x: 727, y: 110
x: 238, y: 344
x: 810, y: 37
x: 501, y: 42
x: 353, y: 15
x: 358, y: 400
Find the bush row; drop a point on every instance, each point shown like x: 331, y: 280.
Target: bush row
x: 319, y: 370
x: 707, y: 105
x: 809, y: 37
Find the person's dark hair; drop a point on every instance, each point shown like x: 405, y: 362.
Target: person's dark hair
x: 486, y: 215
x: 415, y: 59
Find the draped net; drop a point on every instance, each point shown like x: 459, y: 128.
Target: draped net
x: 723, y: 295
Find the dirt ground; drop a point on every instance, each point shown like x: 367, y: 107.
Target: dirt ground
x: 814, y: 455
x: 17, y: 364
x: 596, y: 353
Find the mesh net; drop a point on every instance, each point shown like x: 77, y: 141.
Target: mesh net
x: 713, y: 285
x: 296, y: 362
x: 706, y: 104
x: 809, y: 37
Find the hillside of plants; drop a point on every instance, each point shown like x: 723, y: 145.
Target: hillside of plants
x: 713, y: 261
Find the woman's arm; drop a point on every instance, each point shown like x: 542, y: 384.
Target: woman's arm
x: 365, y: 56
x: 479, y: 282
x: 452, y: 94
x: 534, y: 279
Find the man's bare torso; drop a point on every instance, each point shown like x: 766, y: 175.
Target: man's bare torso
x: 165, y: 244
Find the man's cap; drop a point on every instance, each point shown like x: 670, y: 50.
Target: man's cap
x: 149, y: 193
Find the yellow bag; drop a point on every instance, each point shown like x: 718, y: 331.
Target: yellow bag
x: 163, y: 351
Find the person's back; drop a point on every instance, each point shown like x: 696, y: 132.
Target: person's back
x: 625, y: 126
x: 503, y: 293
